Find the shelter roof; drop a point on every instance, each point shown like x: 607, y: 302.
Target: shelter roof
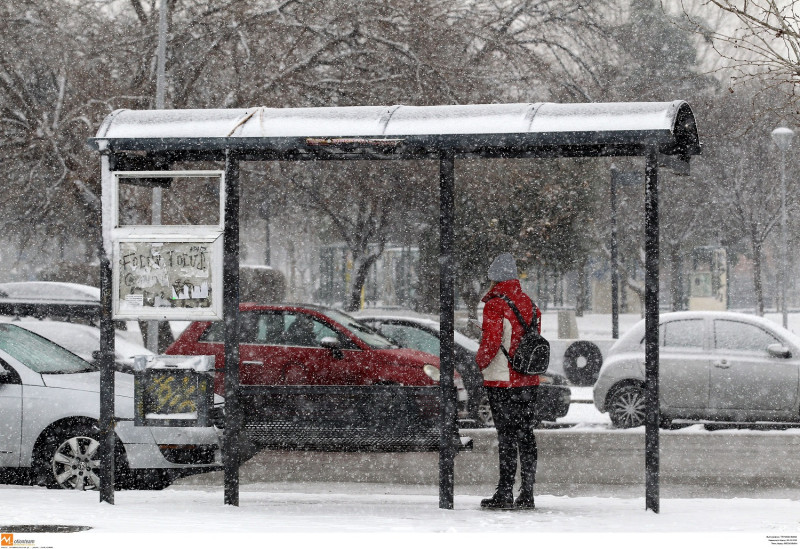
x: 522, y: 129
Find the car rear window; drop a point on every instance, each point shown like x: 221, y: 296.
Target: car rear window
x: 368, y: 335
x: 412, y: 338
x: 685, y: 334
x: 286, y: 328
x: 39, y: 354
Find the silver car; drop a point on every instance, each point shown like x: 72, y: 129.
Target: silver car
x: 49, y: 412
x: 713, y: 366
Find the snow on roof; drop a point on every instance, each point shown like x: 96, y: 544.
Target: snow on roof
x: 668, y: 120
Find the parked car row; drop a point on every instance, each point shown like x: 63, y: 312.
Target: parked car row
x: 715, y: 368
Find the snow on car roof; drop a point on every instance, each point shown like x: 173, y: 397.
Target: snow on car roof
x: 53, y: 292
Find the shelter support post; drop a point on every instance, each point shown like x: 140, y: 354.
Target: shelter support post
x: 447, y: 448
x: 614, y: 258
x: 652, y: 419
x: 107, y: 435
x: 230, y: 313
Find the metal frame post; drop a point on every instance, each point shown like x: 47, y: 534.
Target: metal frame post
x: 230, y: 308
x: 652, y: 419
x: 107, y: 435
x: 152, y: 325
x: 447, y: 450
x: 107, y: 334
x: 614, y: 257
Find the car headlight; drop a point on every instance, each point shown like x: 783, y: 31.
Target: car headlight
x: 546, y: 379
x: 432, y: 372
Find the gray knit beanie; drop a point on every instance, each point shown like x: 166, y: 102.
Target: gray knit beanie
x: 503, y: 268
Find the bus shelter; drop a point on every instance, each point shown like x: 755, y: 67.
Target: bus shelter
x: 664, y: 134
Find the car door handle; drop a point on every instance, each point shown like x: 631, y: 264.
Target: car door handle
x: 722, y: 364
x: 253, y: 362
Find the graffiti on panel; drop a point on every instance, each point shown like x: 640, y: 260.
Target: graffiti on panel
x: 169, y: 392
x: 164, y: 275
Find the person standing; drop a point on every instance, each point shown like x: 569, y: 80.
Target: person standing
x: 512, y: 396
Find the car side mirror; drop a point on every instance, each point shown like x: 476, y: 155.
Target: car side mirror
x: 5, y: 375
x: 779, y: 351
x: 334, y: 345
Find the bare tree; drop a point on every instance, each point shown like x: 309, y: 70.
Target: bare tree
x: 52, y: 64
x: 364, y: 203
x: 760, y: 39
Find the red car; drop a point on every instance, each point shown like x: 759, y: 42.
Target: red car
x: 302, y: 345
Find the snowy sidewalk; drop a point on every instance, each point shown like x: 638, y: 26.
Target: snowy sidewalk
x: 197, y: 517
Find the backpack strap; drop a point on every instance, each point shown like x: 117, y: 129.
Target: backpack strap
x: 525, y: 325
x: 519, y: 315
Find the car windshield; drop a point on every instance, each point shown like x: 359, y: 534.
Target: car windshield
x: 368, y: 335
x: 39, y: 354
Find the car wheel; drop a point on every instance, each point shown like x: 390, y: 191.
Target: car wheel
x: 627, y: 406
x: 70, y: 459
x: 582, y: 362
x: 485, y: 412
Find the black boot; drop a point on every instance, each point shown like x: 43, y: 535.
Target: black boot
x: 525, y: 500
x: 528, y: 477
x: 502, y: 499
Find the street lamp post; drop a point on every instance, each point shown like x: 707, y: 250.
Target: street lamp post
x: 783, y: 139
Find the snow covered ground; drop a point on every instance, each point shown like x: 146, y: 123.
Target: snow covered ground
x: 389, y: 515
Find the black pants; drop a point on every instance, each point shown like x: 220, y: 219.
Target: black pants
x: 514, y: 414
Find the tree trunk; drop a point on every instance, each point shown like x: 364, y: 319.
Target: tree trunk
x: 757, y: 284
x: 583, y: 283
x: 362, y: 265
x: 472, y: 299
x: 677, y: 294
x: 428, y: 282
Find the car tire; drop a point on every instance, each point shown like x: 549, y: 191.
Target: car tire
x: 68, y: 458
x: 626, y: 407
x: 582, y: 362
x: 485, y: 411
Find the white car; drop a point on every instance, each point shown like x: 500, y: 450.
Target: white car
x: 50, y: 408
x: 713, y: 366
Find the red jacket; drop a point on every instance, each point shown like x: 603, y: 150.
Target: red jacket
x: 501, y: 324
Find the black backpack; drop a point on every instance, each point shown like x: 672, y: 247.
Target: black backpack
x: 533, y: 352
